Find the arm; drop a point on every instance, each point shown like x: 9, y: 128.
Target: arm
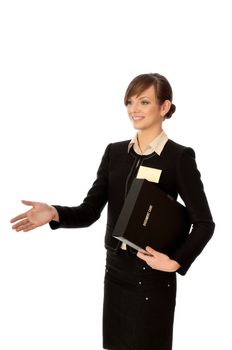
x: 191, y: 190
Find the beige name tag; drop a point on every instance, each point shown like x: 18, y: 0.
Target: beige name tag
x: 150, y: 174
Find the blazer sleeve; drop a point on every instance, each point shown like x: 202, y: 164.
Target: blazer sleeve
x: 90, y: 210
x: 191, y: 190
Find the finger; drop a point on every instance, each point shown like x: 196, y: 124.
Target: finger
x: 25, y: 227
x: 142, y: 256
x: 20, y: 224
x: 19, y: 217
x: 29, y: 227
x: 151, y: 251
x: 31, y: 203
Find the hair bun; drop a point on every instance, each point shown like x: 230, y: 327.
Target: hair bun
x: 170, y: 112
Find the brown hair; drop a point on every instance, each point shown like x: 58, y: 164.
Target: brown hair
x: 161, y: 85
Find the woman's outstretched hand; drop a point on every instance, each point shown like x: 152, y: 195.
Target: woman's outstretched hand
x: 159, y: 261
x: 40, y: 214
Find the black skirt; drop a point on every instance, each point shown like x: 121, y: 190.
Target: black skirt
x: 139, y: 304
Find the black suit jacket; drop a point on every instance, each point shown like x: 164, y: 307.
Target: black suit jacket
x: 115, y: 174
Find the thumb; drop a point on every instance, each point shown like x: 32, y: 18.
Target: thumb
x: 28, y: 203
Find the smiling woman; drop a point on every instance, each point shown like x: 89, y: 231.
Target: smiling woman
x: 149, y: 101
x: 140, y: 289
x: 145, y: 112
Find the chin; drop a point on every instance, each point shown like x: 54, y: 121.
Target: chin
x: 138, y: 127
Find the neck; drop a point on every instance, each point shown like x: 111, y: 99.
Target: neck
x: 147, y: 136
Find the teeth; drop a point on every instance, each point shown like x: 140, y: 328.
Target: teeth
x: 137, y: 118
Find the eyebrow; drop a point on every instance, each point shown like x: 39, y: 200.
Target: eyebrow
x: 141, y: 97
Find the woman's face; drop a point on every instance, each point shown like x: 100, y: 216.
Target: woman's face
x: 144, y: 110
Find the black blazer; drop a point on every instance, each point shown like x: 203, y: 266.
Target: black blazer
x: 117, y: 169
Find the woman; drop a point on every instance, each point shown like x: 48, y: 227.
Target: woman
x: 140, y: 289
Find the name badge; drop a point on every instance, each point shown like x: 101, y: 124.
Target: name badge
x: 150, y: 174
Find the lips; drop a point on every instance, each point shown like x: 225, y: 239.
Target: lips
x: 137, y: 117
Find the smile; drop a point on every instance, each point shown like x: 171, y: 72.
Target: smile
x: 137, y: 118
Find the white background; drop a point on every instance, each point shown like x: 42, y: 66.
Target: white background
x: 64, y: 69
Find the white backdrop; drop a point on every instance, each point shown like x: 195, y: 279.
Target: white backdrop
x: 64, y: 69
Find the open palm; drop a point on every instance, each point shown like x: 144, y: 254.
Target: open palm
x: 40, y: 214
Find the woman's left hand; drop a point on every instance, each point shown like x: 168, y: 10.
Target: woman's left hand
x: 159, y: 261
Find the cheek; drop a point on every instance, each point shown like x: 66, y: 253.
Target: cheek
x: 154, y: 112
x: 128, y: 109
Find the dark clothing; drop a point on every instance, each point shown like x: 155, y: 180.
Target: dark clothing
x: 115, y: 174
x: 139, y: 304
x: 139, y: 316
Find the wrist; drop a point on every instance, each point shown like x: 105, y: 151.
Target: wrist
x: 174, y: 266
x: 54, y: 214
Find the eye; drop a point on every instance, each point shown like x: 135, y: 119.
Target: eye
x: 145, y: 102
x: 128, y: 102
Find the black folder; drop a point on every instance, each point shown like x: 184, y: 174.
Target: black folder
x: 150, y: 217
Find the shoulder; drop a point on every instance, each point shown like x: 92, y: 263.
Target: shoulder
x: 116, y: 150
x: 120, y: 144
x: 118, y: 147
x: 177, y: 149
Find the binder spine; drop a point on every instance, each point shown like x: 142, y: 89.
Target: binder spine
x: 128, y: 207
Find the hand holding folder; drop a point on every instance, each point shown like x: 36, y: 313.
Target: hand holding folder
x: 150, y: 217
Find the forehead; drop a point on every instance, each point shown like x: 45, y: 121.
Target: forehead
x: 147, y: 92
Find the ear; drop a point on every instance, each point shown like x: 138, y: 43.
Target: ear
x: 165, y: 107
